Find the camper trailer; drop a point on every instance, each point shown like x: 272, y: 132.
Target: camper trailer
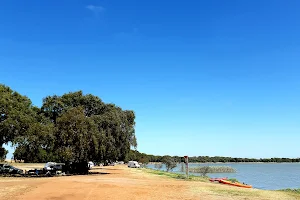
x: 133, y: 164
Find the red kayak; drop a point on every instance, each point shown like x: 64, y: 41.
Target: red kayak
x: 217, y: 179
x: 235, y: 184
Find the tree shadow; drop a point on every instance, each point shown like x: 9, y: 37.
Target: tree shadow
x: 97, y: 173
x: 108, y: 168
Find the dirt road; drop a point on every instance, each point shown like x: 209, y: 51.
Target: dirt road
x: 123, y: 183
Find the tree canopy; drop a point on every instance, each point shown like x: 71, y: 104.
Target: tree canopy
x: 72, y: 127
x: 16, y: 114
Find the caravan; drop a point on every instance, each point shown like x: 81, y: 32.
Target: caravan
x: 133, y: 164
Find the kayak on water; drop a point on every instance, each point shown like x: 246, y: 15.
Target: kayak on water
x: 235, y: 184
x: 217, y: 179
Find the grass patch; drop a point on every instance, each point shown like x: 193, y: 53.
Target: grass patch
x: 292, y: 192
x: 296, y: 191
x: 235, y: 192
x: 176, y: 176
x: 233, y: 180
x: 242, y: 193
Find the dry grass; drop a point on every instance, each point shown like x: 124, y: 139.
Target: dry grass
x: 229, y: 192
x: 7, y: 191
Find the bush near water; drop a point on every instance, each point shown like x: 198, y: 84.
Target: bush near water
x: 212, y: 169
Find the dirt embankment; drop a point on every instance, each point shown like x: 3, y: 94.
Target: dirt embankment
x: 124, y: 183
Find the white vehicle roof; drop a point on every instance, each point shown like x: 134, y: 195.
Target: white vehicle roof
x: 133, y: 161
x: 49, y: 164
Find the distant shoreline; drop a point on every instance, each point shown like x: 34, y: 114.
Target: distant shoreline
x: 234, y: 162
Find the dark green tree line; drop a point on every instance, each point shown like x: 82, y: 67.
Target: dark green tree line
x: 136, y: 155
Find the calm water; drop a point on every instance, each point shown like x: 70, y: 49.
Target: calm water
x: 262, y: 176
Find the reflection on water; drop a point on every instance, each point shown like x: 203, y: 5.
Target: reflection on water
x: 270, y: 176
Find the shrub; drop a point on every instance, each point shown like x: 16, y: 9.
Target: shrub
x: 182, y: 169
x: 169, y: 162
x: 158, y: 165
x: 205, y: 171
x: 212, y: 169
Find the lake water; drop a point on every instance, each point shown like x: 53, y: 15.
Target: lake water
x: 268, y: 176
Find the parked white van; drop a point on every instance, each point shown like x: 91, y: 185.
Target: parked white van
x: 53, y: 166
x: 133, y: 164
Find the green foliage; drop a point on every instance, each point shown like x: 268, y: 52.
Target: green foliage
x: 76, y: 136
x: 37, y: 145
x: 137, y: 156
x: 3, y: 153
x: 16, y: 115
x: 71, y: 127
x: 169, y: 162
x: 144, y: 160
x: 203, y: 170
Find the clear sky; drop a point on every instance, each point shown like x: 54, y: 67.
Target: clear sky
x: 204, y: 77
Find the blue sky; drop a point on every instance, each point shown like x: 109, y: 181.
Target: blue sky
x: 204, y: 77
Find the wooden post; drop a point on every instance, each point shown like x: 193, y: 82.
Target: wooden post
x: 186, y: 158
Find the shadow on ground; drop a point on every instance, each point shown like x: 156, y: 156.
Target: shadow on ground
x: 94, y: 173
x: 107, y: 168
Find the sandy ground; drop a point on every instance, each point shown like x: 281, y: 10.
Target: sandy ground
x: 123, y: 183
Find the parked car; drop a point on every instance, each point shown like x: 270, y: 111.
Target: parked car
x: 133, y: 164
x: 1, y: 168
x: 14, y: 170
x: 8, y: 169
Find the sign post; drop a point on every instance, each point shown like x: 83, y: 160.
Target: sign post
x: 186, y: 159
